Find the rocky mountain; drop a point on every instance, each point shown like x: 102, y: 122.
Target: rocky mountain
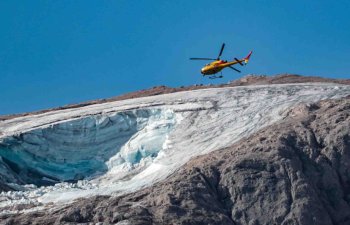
x: 263, y: 154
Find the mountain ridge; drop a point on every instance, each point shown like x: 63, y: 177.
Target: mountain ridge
x: 229, y: 155
x: 157, y: 90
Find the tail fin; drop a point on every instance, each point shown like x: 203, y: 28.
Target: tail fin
x: 246, y: 59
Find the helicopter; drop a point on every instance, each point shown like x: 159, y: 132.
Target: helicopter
x: 218, y: 65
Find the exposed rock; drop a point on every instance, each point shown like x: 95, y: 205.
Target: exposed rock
x: 282, y: 79
x: 293, y: 172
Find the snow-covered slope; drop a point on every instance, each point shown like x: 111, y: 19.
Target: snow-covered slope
x: 118, y: 147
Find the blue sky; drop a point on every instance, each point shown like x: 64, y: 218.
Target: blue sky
x: 59, y: 52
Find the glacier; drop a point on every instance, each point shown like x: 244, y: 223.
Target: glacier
x: 118, y: 147
x: 80, y: 148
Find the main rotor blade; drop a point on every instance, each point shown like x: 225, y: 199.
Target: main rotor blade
x: 239, y: 62
x: 202, y: 59
x: 222, y: 49
x: 235, y: 69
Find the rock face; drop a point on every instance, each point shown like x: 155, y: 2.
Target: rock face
x: 293, y: 172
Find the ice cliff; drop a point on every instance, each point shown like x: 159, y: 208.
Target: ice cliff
x: 86, y: 147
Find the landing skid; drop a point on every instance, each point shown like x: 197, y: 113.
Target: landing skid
x: 215, y: 77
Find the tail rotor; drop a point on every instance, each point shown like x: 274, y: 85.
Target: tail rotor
x: 246, y: 59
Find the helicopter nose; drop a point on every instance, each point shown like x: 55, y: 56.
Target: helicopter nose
x: 202, y: 71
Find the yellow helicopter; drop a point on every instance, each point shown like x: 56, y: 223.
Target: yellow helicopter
x: 214, y: 67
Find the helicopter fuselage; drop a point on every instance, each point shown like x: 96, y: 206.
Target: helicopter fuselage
x: 217, y: 66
